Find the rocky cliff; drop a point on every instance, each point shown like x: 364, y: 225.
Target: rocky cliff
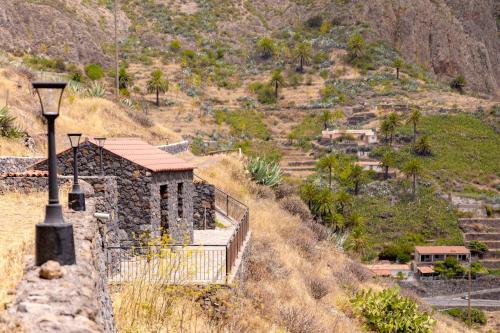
x: 449, y: 37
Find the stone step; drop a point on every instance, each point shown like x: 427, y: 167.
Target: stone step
x: 492, y: 254
x: 491, y: 263
x: 301, y: 163
x: 482, y: 236
x: 480, y: 224
x: 492, y: 244
x: 298, y: 169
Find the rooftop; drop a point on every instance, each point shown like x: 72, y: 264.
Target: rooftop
x: 398, y: 267
x: 442, y: 250
x: 142, y: 153
x: 425, y: 270
x: 350, y: 131
x: 367, y: 163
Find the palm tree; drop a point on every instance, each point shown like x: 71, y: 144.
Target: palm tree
x: 387, y: 161
x: 422, y: 146
x: 326, y: 116
x: 328, y: 163
x: 398, y: 63
x: 357, y: 177
x: 393, y: 121
x: 385, y: 129
x: 266, y: 47
x: 356, y: 46
x: 343, y: 200
x: 413, y: 169
x: 308, y: 193
x: 277, y: 80
x: 303, y: 54
x: 414, y: 119
x: 357, y: 241
x: 157, y: 84
x: 324, y: 205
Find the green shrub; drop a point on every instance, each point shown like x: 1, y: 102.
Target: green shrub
x: 389, y: 312
x: 477, y: 315
x: 489, y: 210
x: 246, y: 124
x: 94, y: 72
x: 458, y: 83
x: 264, y: 172
x: 266, y: 48
x: 422, y: 147
x: 396, y: 252
x: 478, y: 247
x: 449, y: 268
x: 314, y: 21
x: 265, y: 93
x: 7, y: 126
x: 175, y: 45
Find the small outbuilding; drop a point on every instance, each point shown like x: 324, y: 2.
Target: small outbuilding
x: 156, y: 191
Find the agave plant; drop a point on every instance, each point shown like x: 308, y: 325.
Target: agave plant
x: 76, y: 87
x: 7, y: 126
x: 264, y: 172
x: 96, y: 90
x: 128, y: 103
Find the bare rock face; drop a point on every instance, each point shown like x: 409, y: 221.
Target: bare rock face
x: 449, y: 37
x: 64, y: 29
x: 51, y: 270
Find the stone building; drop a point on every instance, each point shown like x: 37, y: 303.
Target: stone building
x: 156, y: 192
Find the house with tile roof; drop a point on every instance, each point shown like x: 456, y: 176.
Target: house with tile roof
x: 426, y: 256
x: 156, y: 192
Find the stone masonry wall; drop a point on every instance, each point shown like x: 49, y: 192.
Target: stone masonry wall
x: 17, y: 164
x: 134, y: 184
x: 180, y: 227
x: 433, y: 288
x: 27, y: 184
x: 204, y: 206
x: 175, y: 148
x: 79, y: 301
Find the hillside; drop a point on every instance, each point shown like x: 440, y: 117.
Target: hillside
x: 445, y: 37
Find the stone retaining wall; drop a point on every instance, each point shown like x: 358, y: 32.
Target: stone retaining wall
x: 17, y: 164
x: 204, y: 206
x: 79, y: 301
x: 449, y: 287
x: 176, y: 148
x: 27, y: 184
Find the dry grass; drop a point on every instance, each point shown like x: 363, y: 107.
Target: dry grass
x: 18, y: 215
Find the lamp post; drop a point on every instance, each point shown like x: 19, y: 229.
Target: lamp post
x: 76, y: 198
x: 54, y: 238
x: 100, y: 142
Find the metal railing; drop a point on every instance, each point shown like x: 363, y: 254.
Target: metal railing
x: 171, y: 264
x: 177, y: 264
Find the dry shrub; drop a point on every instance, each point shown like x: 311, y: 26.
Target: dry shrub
x: 261, y: 191
x: 299, y: 320
x: 295, y: 206
x: 263, y: 263
x: 140, y: 118
x: 319, y: 230
x: 284, y: 190
x: 358, y: 270
x: 303, y: 240
x: 318, y: 287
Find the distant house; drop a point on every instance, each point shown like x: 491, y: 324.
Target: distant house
x: 426, y: 256
x: 361, y: 136
x: 390, y: 270
x: 371, y: 165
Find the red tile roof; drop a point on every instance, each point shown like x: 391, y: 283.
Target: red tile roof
x: 142, y: 153
x: 425, y: 270
x: 29, y: 173
x: 442, y: 250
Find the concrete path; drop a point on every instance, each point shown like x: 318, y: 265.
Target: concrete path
x: 219, y: 236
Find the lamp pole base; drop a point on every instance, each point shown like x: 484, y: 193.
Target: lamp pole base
x: 54, y: 241
x: 76, y: 201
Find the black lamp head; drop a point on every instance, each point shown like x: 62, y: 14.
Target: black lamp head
x: 100, y: 141
x: 50, y: 96
x: 74, y: 139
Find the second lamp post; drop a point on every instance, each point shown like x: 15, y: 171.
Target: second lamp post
x: 76, y: 198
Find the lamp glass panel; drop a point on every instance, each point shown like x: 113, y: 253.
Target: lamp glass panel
x: 74, y: 139
x: 50, y: 99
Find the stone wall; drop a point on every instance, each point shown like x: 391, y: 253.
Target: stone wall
x: 433, y: 288
x: 204, y: 206
x: 79, y: 301
x: 27, y: 184
x: 139, y: 210
x: 176, y: 148
x: 17, y: 164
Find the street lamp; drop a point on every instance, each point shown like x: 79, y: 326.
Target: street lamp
x: 100, y: 142
x: 76, y: 198
x: 54, y: 237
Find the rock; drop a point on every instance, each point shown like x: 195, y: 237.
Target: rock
x: 51, y: 270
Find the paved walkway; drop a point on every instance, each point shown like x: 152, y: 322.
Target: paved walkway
x: 219, y: 236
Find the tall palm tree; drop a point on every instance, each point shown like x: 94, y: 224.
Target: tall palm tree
x: 266, y: 47
x: 326, y: 117
x: 277, y: 80
x: 357, y: 241
x: 356, y: 46
x: 387, y: 161
x: 414, y: 119
x: 324, y: 204
x: 328, y: 163
x: 413, y: 169
x: 343, y: 201
x: 308, y: 193
x: 303, y: 53
x: 393, y: 121
x: 357, y: 177
x: 157, y: 84
x: 398, y: 63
